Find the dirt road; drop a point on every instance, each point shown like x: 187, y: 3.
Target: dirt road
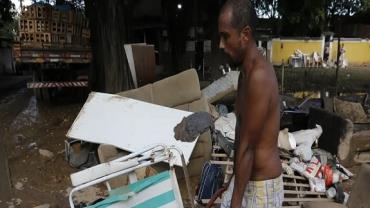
x: 26, y: 126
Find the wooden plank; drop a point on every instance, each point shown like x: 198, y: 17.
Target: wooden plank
x: 218, y: 201
x: 144, y: 60
x: 295, y: 177
x: 306, y: 199
x: 296, y: 188
x: 222, y: 162
x: 219, y: 155
x: 296, y: 184
x: 303, y: 192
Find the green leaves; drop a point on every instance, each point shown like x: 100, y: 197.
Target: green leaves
x: 7, y: 12
x: 308, y: 17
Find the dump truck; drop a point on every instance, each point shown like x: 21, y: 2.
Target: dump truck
x: 54, y: 45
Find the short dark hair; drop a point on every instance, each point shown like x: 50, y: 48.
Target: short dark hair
x: 243, y: 13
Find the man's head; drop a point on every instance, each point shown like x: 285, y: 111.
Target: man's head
x: 235, y: 25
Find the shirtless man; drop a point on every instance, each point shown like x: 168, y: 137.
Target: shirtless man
x: 257, y: 181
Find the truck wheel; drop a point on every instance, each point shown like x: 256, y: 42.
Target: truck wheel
x: 46, y: 94
x: 37, y: 91
x: 41, y: 94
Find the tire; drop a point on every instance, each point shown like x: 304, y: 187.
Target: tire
x: 41, y: 94
x: 36, y: 78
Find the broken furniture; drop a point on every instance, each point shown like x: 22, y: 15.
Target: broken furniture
x: 141, y: 61
x: 342, y: 137
x: 181, y: 91
x: 353, y: 108
x: 155, y: 191
x: 339, y: 136
x: 127, y: 124
x: 359, y: 148
x: 350, y: 110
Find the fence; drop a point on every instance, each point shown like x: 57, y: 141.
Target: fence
x: 321, y: 79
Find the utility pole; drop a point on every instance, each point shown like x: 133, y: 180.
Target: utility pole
x: 339, y: 32
x: 19, y: 31
x: 337, y: 69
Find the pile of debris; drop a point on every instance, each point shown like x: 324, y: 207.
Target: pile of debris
x: 314, y: 153
x: 322, y: 170
x: 337, y: 137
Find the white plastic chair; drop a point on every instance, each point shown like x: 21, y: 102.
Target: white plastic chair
x: 160, y: 190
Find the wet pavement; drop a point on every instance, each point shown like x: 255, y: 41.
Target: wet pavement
x: 26, y: 126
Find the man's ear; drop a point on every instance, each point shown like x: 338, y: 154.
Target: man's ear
x: 246, y: 34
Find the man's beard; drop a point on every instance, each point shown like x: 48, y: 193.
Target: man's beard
x: 232, y: 63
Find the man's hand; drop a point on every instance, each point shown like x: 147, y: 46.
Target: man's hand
x: 236, y: 202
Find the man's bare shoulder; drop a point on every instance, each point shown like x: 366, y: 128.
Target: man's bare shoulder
x: 262, y: 76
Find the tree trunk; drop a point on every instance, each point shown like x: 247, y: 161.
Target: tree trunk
x: 109, y: 71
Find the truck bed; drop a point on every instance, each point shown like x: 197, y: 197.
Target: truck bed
x: 68, y: 54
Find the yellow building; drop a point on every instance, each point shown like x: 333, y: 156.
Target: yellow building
x: 282, y: 49
x: 357, y: 51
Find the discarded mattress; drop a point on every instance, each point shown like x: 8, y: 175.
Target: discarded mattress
x: 128, y: 124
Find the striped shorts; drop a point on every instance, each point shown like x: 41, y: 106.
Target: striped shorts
x: 258, y: 194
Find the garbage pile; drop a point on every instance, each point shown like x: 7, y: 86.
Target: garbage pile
x: 132, y: 124
x: 320, y: 167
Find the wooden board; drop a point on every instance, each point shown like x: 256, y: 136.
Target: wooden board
x: 144, y: 60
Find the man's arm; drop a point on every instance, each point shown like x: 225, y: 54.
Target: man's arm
x: 254, y: 109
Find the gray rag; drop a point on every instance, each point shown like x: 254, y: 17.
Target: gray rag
x: 192, y: 126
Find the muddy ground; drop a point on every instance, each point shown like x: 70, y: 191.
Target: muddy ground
x: 26, y: 127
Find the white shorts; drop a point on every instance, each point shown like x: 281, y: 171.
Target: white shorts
x: 258, y: 194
